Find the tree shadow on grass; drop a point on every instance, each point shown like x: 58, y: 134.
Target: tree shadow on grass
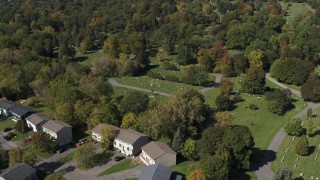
x: 311, y: 150
x: 261, y: 157
x: 241, y: 175
x: 49, y: 167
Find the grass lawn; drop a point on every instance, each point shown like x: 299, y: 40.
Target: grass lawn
x: 123, y: 165
x: 6, y: 123
x: 210, y: 97
x: 296, y: 10
x: 119, y: 91
x: 39, y: 153
x: 156, y: 85
x: 305, y: 164
x: 20, y: 136
x: 88, y: 58
x: 183, y: 166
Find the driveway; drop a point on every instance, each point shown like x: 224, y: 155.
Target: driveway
x: 7, y: 144
x: 70, y: 171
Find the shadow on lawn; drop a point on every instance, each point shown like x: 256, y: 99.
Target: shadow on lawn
x: 49, y: 167
x: 261, y: 158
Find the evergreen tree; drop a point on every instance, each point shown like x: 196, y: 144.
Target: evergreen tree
x: 178, y: 141
x: 302, y: 146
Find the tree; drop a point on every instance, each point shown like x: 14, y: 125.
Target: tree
x: 178, y: 141
x: 254, y: 81
x: 278, y: 101
x: 310, y: 126
x: 223, y: 103
x: 309, y: 113
x: 21, y: 126
x: 310, y: 90
x: 4, y: 159
x: 54, y: 176
x: 184, y: 51
x: 223, y: 118
x: 284, y: 174
x: 130, y: 121
x: 215, y: 167
x: 196, y: 174
x: 255, y: 58
x: 226, y: 86
x: 84, y: 156
x: 302, y: 147
x: 190, y: 149
x: 195, y: 75
x: 15, y: 156
x: 29, y: 157
x: 108, y: 134
x: 135, y: 102
x: 43, y: 141
x: 294, y: 128
x: 95, y: 86
x: 106, y: 113
x: 111, y: 46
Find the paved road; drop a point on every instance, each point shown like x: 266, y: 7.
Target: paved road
x: 202, y: 91
x: 265, y: 171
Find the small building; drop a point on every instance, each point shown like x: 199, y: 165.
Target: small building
x: 35, y: 121
x: 96, y: 131
x: 158, y: 172
x: 20, y: 112
x: 60, y: 131
x: 6, y: 107
x: 20, y: 171
x: 158, y: 152
x: 129, y: 142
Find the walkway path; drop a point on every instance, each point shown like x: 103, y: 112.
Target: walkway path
x: 265, y: 171
x: 202, y: 91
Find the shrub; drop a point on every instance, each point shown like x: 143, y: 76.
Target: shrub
x: 223, y: 103
x: 302, y: 147
x: 169, y: 66
x: 172, y: 78
x: 253, y: 107
x: 154, y: 75
x: 294, y: 128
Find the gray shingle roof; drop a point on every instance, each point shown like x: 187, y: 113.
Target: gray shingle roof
x: 55, y: 125
x: 129, y: 135
x: 36, y: 119
x: 21, y: 110
x: 98, y: 127
x: 4, y: 103
x: 155, y: 172
x: 18, y: 172
x: 156, y: 149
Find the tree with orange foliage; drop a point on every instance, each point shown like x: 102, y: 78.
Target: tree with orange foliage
x: 196, y: 174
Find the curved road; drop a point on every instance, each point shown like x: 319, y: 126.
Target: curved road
x: 265, y: 172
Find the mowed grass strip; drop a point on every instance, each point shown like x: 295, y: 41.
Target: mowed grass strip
x: 6, y: 123
x: 123, y: 165
x: 155, y: 84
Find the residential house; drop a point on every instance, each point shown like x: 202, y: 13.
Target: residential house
x: 60, y: 131
x: 6, y: 107
x: 96, y: 131
x: 20, y: 171
x: 158, y: 152
x: 158, y: 172
x: 20, y: 112
x: 129, y: 142
x: 35, y: 121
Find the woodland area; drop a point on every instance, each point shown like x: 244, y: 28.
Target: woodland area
x: 42, y: 45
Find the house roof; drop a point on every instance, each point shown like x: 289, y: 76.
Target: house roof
x: 129, y: 135
x: 98, y: 127
x: 4, y: 103
x: 55, y: 125
x: 21, y: 110
x: 156, y: 149
x: 155, y: 172
x: 37, y: 118
x: 18, y: 172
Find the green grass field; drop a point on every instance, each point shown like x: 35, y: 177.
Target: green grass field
x: 6, y: 123
x: 296, y: 10
x: 306, y: 164
x: 67, y: 158
x: 123, y: 165
x: 183, y: 167
x: 88, y: 58
x: 154, y: 84
x: 44, y: 155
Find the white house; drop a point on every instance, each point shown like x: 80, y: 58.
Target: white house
x: 96, y: 131
x: 6, y: 107
x: 158, y: 152
x: 35, y: 121
x: 60, y: 131
x: 129, y: 142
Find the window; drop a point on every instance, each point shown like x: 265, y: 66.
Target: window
x: 120, y: 145
x: 115, y: 143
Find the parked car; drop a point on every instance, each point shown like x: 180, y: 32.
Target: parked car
x: 7, y: 129
x: 60, y: 150
x: 81, y: 142
x: 119, y: 158
x: 7, y: 138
